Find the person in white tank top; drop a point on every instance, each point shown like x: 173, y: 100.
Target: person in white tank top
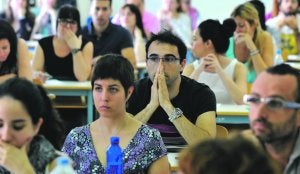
x: 226, y: 77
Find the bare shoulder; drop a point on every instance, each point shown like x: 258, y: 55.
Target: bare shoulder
x: 21, y: 41
x: 188, y: 69
x: 22, y: 44
x: 266, y: 37
x: 240, y: 67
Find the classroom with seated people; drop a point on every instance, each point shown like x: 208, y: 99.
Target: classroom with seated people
x: 174, y: 85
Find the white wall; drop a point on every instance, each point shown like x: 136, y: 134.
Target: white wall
x: 209, y: 9
x: 215, y: 9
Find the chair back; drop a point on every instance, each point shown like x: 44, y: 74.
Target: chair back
x: 222, y: 132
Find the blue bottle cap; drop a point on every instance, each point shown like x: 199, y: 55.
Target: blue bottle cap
x: 62, y: 160
x: 114, y: 140
x: 278, y: 51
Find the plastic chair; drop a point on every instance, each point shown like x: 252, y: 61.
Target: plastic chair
x: 222, y: 132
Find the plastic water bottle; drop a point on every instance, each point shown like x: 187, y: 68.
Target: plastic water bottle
x: 63, y: 166
x: 114, y: 157
x: 278, y: 58
x: 288, y: 42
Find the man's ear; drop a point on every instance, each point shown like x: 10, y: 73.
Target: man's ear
x: 129, y: 92
x: 182, y: 64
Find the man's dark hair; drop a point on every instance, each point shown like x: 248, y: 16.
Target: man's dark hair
x: 284, y: 69
x: 168, y: 38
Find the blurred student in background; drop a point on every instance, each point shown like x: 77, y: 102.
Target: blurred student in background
x: 194, y: 14
x: 150, y: 21
x: 66, y: 55
x: 260, y: 7
x: 284, y: 27
x: 18, y: 14
x: 106, y: 36
x: 174, y: 19
x: 14, y: 54
x: 45, y: 22
x: 252, y: 46
x: 226, y: 77
x: 131, y: 19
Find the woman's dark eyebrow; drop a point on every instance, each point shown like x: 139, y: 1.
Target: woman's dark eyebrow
x: 19, y: 121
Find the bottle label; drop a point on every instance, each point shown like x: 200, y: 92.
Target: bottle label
x: 114, y: 168
x: 288, y: 45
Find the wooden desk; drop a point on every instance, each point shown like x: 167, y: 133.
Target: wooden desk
x: 72, y: 88
x: 295, y: 65
x: 232, y: 114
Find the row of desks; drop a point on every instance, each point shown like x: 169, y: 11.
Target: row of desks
x: 227, y: 114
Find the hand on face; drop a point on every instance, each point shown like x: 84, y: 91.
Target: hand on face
x: 291, y: 21
x: 13, y: 158
x: 210, y: 63
x: 71, y: 39
x: 244, y: 38
x: 240, y: 37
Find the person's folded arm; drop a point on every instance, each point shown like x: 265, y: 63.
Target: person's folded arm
x: 128, y: 53
x: 24, y: 67
x: 204, y: 128
x: 236, y: 87
x: 82, y: 62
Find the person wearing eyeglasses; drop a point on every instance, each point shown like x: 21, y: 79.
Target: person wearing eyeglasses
x: 66, y: 55
x: 274, y: 115
x: 182, y: 109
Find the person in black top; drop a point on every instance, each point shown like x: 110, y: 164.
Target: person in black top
x: 181, y: 108
x: 66, y: 55
x: 106, y: 36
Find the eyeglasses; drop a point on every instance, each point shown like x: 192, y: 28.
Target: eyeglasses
x: 271, y: 102
x: 165, y: 59
x: 65, y: 22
